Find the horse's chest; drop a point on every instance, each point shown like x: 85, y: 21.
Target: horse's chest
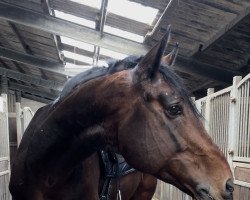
x: 70, y: 187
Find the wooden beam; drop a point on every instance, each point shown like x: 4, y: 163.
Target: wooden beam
x: 187, y: 65
x: 57, y: 26
x: 33, y: 61
x: 61, y: 27
x: 33, y: 91
x: 25, y: 47
x: 244, y: 13
x: 195, y: 67
x: 83, y: 52
x: 31, y: 79
x: 36, y: 98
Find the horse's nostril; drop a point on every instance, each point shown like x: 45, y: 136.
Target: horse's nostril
x: 230, y: 185
x: 202, y: 190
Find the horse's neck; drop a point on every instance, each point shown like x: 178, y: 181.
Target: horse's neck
x: 74, y: 128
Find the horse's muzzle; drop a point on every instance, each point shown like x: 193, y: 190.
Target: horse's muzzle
x: 203, y: 191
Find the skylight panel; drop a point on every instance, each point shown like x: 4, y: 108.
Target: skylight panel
x: 90, y: 3
x: 133, y: 10
x: 78, y: 57
x: 73, y: 66
x: 112, y: 54
x: 124, y: 34
x: 75, y: 19
x: 102, y: 63
x: 78, y: 44
x: 125, y: 8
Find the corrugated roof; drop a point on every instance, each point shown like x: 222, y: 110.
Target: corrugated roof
x: 211, y: 33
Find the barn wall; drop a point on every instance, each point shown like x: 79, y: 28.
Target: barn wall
x: 4, y: 149
x: 12, y: 117
x: 34, y: 105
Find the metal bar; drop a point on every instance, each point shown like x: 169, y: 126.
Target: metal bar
x: 100, y: 27
x: 31, y: 79
x: 65, y: 28
x: 167, y: 11
x: 248, y: 119
x: 103, y: 16
x: 47, y: 9
x: 240, y: 122
x: 245, y: 120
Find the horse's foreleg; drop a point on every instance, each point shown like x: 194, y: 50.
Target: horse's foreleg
x: 146, y: 188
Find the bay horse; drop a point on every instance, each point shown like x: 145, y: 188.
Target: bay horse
x: 143, y: 113
x: 134, y: 185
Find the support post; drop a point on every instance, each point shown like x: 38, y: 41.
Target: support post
x: 233, y: 121
x: 4, y: 82
x: 208, y: 108
x: 18, y: 117
x: 4, y: 134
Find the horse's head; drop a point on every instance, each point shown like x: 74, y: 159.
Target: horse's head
x: 162, y: 133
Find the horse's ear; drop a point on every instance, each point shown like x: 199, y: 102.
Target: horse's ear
x: 150, y: 63
x: 170, y: 58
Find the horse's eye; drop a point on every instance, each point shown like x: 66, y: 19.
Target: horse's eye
x: 174, y: 110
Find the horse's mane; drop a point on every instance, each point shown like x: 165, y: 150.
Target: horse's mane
x: 95, y: 72
x: 119, y: 65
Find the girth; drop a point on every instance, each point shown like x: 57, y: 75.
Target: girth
x: 115, y: 167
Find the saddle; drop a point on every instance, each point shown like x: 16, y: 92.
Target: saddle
x: 115, y: 167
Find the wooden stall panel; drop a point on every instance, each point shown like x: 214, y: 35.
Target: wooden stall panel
x: 243, y: 132
x: 241, y: 193
x: 242, y: 174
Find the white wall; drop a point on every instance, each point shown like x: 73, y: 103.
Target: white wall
x: 34, y: 105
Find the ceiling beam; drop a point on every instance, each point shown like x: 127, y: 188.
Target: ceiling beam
x: 61, y: 27
x: 31, y: 79
x: 194, y: 67
x: 33, y: 91
x: 33, y: 61
x: 187, y: 65
x: 25, y: 47
x: 225, y: 29
x: 36, y: 98
x: 83, y: 52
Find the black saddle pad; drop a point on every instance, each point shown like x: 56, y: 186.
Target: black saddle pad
x: 115, y: 165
